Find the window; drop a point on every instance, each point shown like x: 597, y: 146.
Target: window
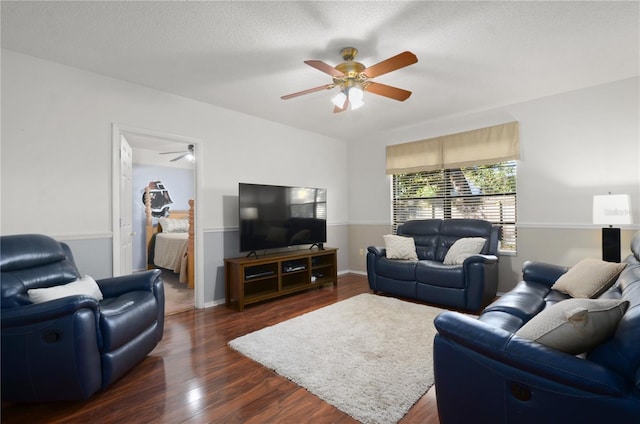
x: 482, y: 192
x: 308, y: 203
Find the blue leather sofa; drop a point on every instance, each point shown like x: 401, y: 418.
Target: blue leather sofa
x: 469, y: 286
x: 70, y: 347
x: 484, y: 372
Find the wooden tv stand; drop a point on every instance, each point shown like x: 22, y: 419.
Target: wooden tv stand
x: 249, y: 279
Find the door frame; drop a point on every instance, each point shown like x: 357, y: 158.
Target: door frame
x: 117, y: 131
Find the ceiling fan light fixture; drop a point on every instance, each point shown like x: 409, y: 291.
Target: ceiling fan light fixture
x: 352, y: 78
x: 339, y: 99
x: 355, y: 97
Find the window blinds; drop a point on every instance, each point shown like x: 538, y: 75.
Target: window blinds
x: 485, y: 192
x: 484, y: 146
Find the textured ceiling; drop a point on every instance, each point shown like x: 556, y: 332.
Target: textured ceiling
x: 245, y: 55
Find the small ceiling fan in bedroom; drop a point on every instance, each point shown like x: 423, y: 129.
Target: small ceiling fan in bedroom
x: 353, y: 79
x: 183, y: 154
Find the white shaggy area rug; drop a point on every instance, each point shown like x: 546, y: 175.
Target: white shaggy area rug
x: 369, y: 356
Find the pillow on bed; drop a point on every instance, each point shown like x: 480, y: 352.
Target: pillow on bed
x: 174, y: 225
x: 82, y: 286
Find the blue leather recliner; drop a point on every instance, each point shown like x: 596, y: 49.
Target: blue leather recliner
x: 71, y: 347
x: 484, y: 372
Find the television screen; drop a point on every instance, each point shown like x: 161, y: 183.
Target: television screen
x: 277, y: 216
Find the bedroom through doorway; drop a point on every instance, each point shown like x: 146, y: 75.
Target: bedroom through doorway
x: 162, y: 206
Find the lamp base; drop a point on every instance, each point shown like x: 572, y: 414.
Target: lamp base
x: 611, y: 244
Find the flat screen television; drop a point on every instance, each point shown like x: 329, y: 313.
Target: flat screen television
x: 274, y: 217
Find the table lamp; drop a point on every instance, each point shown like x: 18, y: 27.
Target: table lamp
x: 611, y: 209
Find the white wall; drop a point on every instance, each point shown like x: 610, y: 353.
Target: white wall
x: 56, y: 164
x: 56, y: 155
x: 573, y: 145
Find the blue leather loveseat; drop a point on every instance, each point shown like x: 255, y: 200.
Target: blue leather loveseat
x: 469, y: 286
x: 485, y: 372
x: 70, y: 347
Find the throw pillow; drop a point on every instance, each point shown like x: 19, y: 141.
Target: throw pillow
x: 575, y: 325
x: 462, y: 249
x: 589, y: 278
x: 85, y: 285
x: 399, y: 247
x: 174, y: 225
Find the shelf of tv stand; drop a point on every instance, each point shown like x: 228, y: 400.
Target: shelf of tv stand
x: 250, y: 279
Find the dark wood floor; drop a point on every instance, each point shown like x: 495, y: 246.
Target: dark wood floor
x: 194, y: 377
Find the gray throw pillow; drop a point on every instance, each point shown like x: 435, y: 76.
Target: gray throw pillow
x: 462, y: 249
x: 589, y: 278
x: 82, y: 286
x: 575, y: 325
x: 399, y: 247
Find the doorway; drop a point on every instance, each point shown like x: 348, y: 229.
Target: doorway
x: 147, y: 146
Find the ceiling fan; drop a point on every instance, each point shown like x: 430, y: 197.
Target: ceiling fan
x: 186, y: 154
x: 353, y: 78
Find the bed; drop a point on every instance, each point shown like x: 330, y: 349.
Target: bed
x: 170, y: 243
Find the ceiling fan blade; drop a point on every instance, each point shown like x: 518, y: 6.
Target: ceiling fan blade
x: 321, y: 66
x: 179, y: 157
x: 387, y: 91
x: 396, y: 62
x: 311, y: 90
x: 170, y: 153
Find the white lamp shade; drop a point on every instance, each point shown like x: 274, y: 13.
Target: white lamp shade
x: 355, y: 97
x: 611, y: 209
x: 339, y: 99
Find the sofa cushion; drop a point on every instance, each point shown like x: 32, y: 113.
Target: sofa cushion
x: 504, y: 320
x: 453, y: 229
x: 82, y: 286
x: 524, y: 301
x: 396, y: 269
x: 438, y: 274
x: 621, y: 353
x: 554, y: 296
x: 425, y: 232
x: 399, y: 247
x: 589, y: 278
x: 464, y: 248
x: 575, y: 325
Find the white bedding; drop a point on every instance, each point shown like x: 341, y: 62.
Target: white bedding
x: 171, y: 252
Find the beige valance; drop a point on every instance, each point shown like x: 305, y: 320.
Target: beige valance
x: 483, y: 146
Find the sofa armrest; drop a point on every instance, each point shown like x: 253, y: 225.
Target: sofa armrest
x: 377, y: 251
x: 527, y: 356
x: 541, y: 272
x: 46, y: 311
x: 140, y: 281
x: 482, y: 259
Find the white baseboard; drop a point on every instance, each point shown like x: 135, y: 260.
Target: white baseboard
x: 349, y: 271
